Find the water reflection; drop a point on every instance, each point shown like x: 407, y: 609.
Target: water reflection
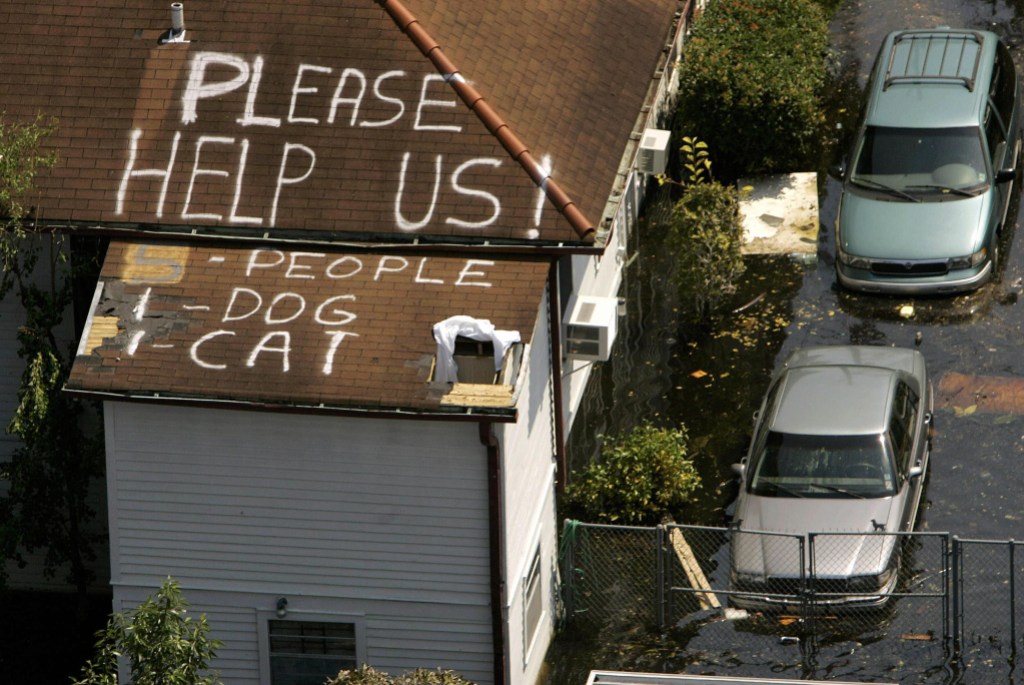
x: 668, y: 370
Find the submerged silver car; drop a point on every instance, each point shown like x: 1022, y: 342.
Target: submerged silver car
x: 835, y: 469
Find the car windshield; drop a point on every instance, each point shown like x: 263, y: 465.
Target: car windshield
x: 823, y: 466
x: 913, y: 162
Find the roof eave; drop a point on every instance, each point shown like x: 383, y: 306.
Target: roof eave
x: 450, y: 413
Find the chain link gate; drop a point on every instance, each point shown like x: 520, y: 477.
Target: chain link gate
x: 684, y: 580
x: 987, y: 576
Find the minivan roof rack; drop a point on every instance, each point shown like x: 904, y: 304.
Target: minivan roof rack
x: 934, y: 55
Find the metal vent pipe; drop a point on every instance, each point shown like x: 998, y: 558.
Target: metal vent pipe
x: 177, y: 18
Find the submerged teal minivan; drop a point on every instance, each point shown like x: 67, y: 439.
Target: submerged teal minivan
x: 930, y: 176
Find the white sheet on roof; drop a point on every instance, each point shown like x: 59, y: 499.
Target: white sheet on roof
x: 445, y: 333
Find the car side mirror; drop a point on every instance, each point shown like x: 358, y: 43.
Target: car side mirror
x: 739, y: 469
x: 915, y: 471
x: 1008, y: 172
x: 757, y: 415
x: 838, y: 170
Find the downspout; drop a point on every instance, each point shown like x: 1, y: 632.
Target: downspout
x: 555, y: 326
x: 495, y: 506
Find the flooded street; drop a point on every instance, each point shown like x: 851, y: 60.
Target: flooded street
x: 670, y: 372
x: 711, y: 381
x: 976, y: 478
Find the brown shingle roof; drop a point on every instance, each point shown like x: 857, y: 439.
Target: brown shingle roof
x: 324, y: 118
x: 320, y: 122
x: 300, y: 328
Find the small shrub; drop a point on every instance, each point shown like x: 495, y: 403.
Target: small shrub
x: 750, y: 83
x: 705, y: 235
x: 640, y: 478
x: 366, y: 675
x: 829, y: 6
x: 696, y: 160
x: 162, y: 644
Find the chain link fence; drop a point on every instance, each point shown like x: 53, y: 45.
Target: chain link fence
x: 872, y: 602
x: 988, y: 580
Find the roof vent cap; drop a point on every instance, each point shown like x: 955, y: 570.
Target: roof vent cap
x: 175, y: 34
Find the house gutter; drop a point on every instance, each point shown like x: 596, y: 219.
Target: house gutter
x: 499, y: 636
x: 494, y: 123
x: 555, y: 326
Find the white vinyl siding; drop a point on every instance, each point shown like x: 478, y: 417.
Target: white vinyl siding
x: 528, y: 466
x: 385, y: 518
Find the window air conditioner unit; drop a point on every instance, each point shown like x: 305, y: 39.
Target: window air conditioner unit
x: 590, y: 329
x: 653, y: 155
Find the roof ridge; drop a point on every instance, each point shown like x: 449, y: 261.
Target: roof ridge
x: 497, y: 126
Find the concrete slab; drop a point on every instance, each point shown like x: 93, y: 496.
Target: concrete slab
x: 780, y: 215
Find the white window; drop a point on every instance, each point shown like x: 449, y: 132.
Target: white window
x: 474, y: 361
x: 533, y: 601
x: 309, y: 652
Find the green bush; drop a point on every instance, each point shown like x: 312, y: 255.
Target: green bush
x: 640, y: 478
x: 705, y: 235
x: 829, y: 6
x: 365, y: 675
x: 162, y: 644
x: 751, y: 78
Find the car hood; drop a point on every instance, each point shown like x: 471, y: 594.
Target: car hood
x: 895, y: 229
x: 838, y: 551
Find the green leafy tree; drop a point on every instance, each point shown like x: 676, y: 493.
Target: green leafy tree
x: 48, y: 478
x: 640, y: 477
x: 751, y: 79
x: 706, y: 236
x: 160, y: 642
x: 705, y: 232
x: 366, y: 675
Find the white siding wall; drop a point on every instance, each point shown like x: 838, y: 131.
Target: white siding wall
x: 601, y: 276
x: 597, y: 276
x: 384, y: 519
x: 529, y: 476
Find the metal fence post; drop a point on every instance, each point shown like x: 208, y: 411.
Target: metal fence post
x: 659, y: 575
x: 806, y: 587
x: 1013, y: 603
x: 955, y: 582
x: 568, y: 570
x: 946, y: 566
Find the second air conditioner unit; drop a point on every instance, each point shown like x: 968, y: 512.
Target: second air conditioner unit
x: 653, y: 154
x: 591, y: 327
